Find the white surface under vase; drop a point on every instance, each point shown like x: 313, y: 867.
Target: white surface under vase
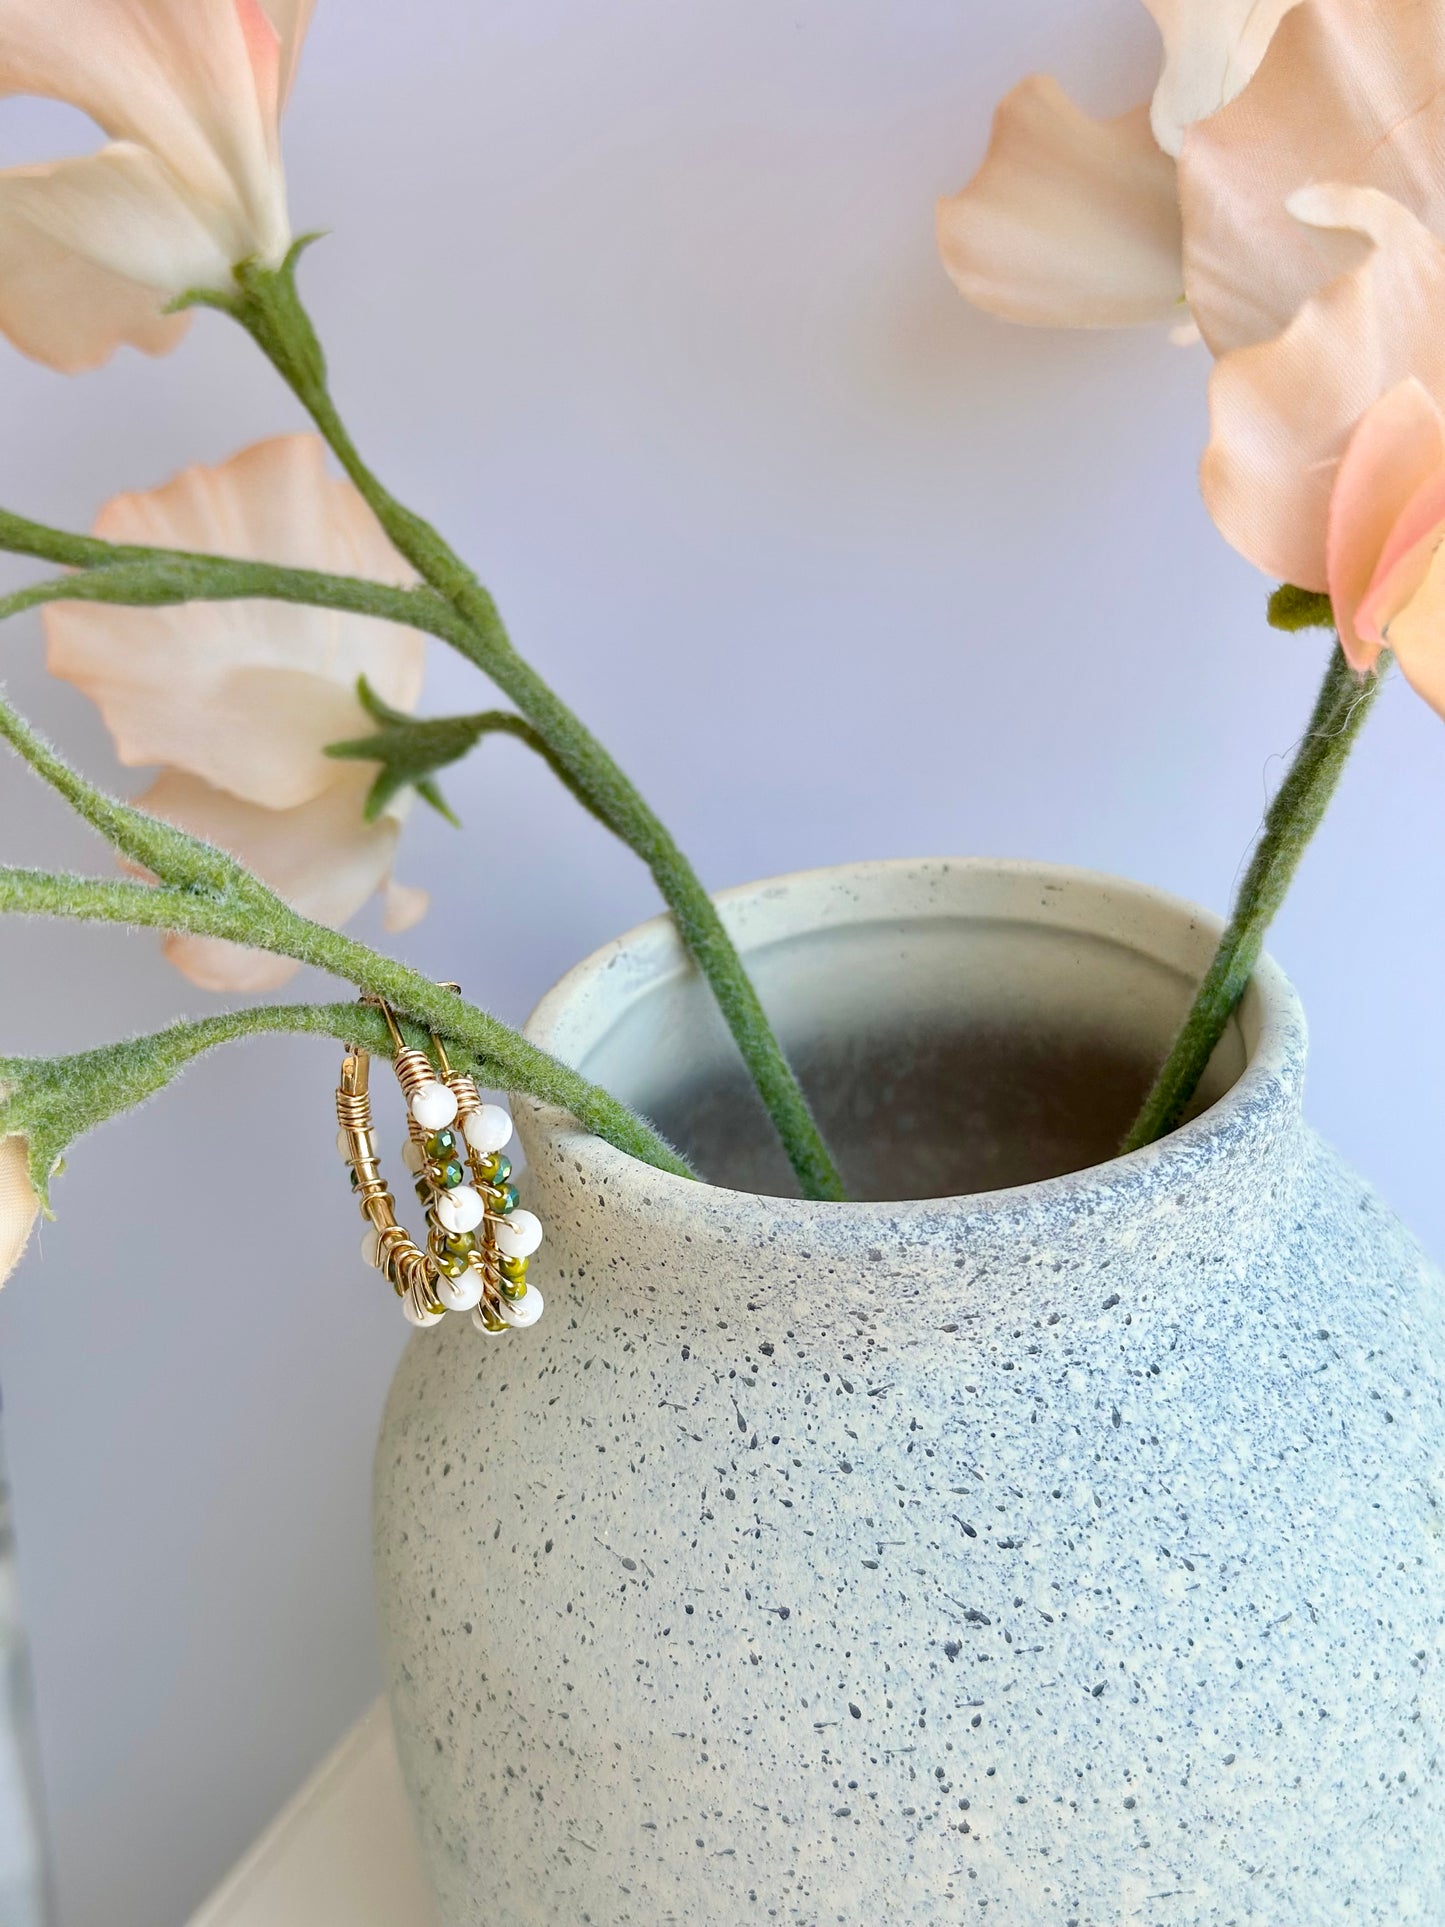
x: 1064, y: 1546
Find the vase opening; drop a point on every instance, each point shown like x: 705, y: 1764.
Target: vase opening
x: 998, y: 1039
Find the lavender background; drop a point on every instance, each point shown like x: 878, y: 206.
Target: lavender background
x: 640, y: 302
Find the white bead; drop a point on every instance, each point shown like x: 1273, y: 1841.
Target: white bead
x: 460, y: 1294
x: 459, y: 1210
x: 519, y: 1235
x: 371, y: 1248
x: 343, y: 1145
x: 480, y: 1324
x: 523, y: 1311
x: 413, y: 1157
x: 488, y: 1130
x: 433, y: 1106
x: 416, y: 1315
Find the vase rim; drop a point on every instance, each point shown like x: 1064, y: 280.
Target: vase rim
x: 1168, y: 928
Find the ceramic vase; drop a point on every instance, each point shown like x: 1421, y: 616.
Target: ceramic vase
x: 1062, y: 1547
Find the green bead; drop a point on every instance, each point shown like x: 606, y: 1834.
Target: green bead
x: 503, y: 1168
x: 513, y: 1289
x: 515, y: 1269
x: 440, y: 1146
x: 423, y: 1190
x: 446, y: 1176
x: 452, y: 1264
x: 505, y: 1200
x: 355, y: 1181
x: 489, y: 1168
x: 460, y: 1242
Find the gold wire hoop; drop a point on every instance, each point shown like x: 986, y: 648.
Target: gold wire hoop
x: 468, y: 1268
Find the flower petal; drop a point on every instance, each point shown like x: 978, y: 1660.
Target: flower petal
x: 403, y: 906
x: 1409, y: 609
x: 120, y: 209
x: 290, y: 18
x: 1212, y: 48
x: 243, y: 694
x: 175, y: 76
x: 323, y: 858
x: 1282, y: 411
x: 1349, y: 90
x: 1070, y: 222
x: 19, y: 1206
x: 1398, y: 447
x: 58, y: 302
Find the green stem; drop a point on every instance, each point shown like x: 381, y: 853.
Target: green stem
x: 270, y: 308
x: 205, y: 892
x: 1345, y: 700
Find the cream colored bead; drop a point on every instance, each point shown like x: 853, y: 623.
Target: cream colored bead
x: 523, y: 1311
x: 417, y: 1314
x: 488, y: 1130
x: 519, y: 1235
x: 460, y: 1210
x: 413, y: 1157
x: 460, y: 1294
x: 433, y: 1106
x: 371, y: 1248
x: 343, y: 1145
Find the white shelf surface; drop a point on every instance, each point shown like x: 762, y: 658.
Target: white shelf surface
x: 342, y: 1854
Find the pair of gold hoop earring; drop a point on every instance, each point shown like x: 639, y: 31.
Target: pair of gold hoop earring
x: 479, y: 1242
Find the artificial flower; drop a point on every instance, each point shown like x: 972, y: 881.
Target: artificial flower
x: 1074, y: 222
x: 238, y: 700
x: 1386, y: 540
x: 190, y: 93
x: 19, y: 1206
x: 1314, y: 214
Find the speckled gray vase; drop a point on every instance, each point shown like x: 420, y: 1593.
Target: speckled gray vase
x: 1063, y: 1548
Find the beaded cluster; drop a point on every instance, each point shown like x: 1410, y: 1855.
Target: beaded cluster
x: 479, y: 1242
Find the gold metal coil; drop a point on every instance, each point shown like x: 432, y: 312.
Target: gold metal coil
x: 464, y: 1090
x: 353, y: 1110
x: 413, y: 1069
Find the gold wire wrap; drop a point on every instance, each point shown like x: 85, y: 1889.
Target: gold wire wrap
x: 414, y: 1271
x: 402, y: 1261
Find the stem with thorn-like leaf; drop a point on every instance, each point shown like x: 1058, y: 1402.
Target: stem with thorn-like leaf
x: 266, y: 303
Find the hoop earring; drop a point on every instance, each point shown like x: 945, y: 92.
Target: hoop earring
x: 478, y: 1242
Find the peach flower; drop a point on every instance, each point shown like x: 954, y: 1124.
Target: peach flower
x: 190, y: 94
x: 1385, y: 543
x: 238, y: 700
x: 19, y: 1206
x: 1074, y: 222
x: 1314, y: 214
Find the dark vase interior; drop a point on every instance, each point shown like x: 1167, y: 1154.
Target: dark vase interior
x: 942, y: 1057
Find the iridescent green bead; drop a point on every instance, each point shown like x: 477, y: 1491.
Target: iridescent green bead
x: 489, y: 1168
x: 446, y: 1175
x: 515, y: 1269
x: 504, y: 1200
x: 355, y: 1181
x: 441, y: 1146
x: 513, y: 1288
x: 461, y: 1243
x: 503, y: 1169
x: 452, y: 1264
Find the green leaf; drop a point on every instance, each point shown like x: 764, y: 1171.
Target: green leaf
x: 411, y: 749
x: 1293, y: 609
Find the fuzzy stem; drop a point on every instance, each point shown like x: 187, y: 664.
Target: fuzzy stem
x: 1344, y: 701
x: 205, y: 892
x: 269, y: 307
